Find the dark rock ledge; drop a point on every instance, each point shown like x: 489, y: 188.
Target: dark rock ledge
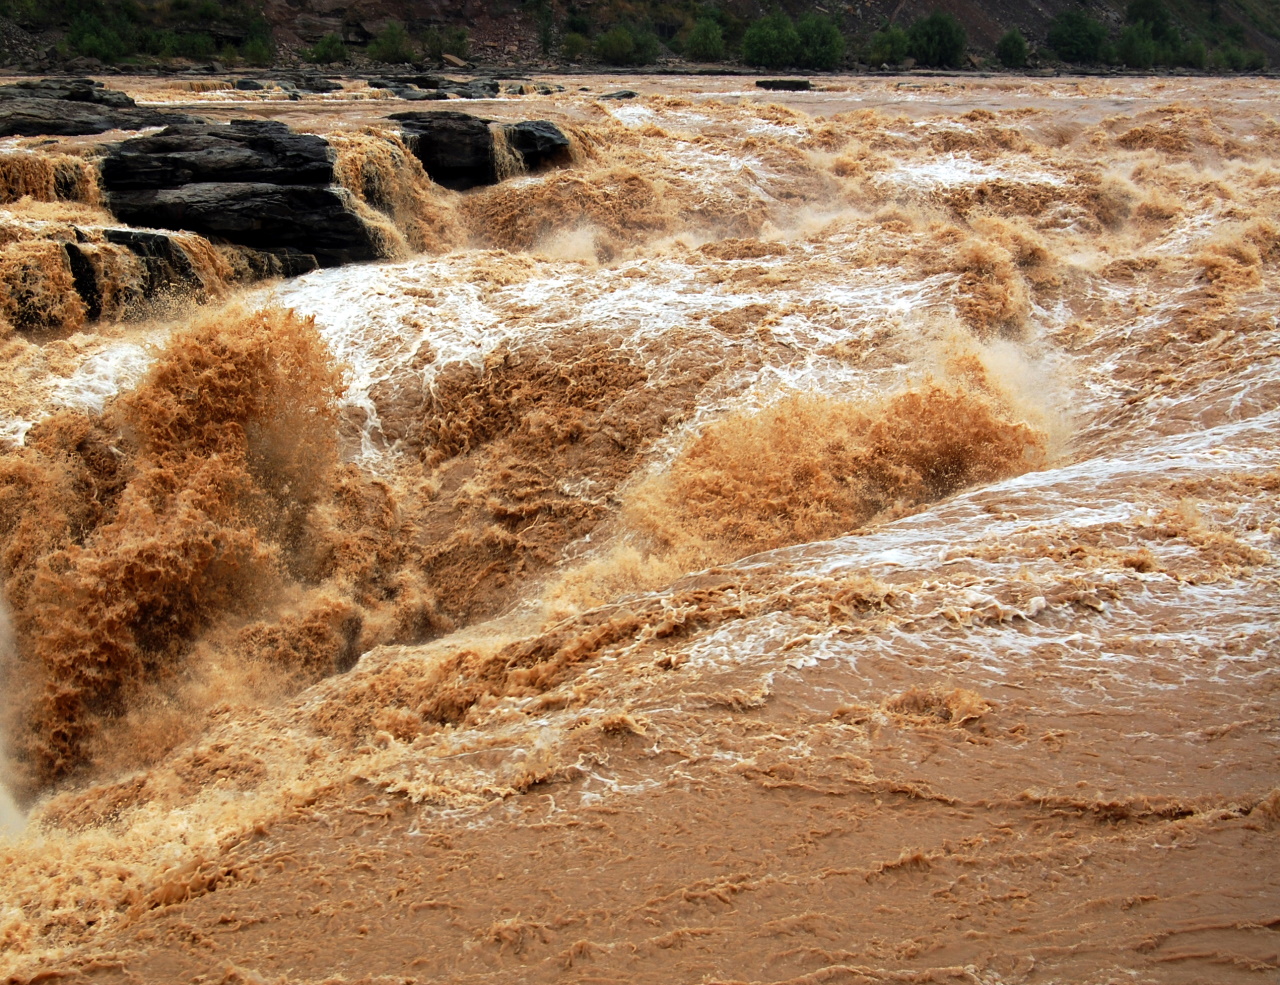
x: 257, y: 184
x: 458, y: 150
x: 73, y: 108
x: 254, y: 183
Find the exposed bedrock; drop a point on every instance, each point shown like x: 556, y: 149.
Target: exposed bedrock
x: 74, y: 107
x: 246, y: 150
x: 254, y: 183
x: 258, y: 184
x: 427, y: 87
x: 461, y: 151
x: 72, y: 274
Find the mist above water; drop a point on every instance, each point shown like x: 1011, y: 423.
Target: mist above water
x: 12, y: 820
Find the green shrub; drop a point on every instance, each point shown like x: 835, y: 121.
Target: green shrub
x: 648, y: 47
x: 326, y: 51
x: 573, y: 46
x: 1195, y: 54
x: 821, y: 43
x: 197, y: 47
x: 938, y: 40
x: 889, y: 46
x: 1011, y: 49
x: 259, y: 52
x: 616, y: 46
x: 107, y: 40
x: 1156, y: 16
x: 1229, y: 58
x: 28, y: 13
x: 455, y: 41
x: 544, y: 19
x: 624, y: 45
x: 259, y: 48
x: 1077, y: 37
x: 392, y: 45
x: 1136, y: 48
x: 771, y: 42
x: 106, y: 47
x: 706, y: 41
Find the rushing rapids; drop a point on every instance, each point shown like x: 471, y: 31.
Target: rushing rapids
x: 810, y: 541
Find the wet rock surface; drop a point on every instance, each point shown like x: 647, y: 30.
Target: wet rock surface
x: 76, y: 107
x: 254, y: 183
x: 419, y: 87
x: 247, y: 150
x: 459, y: 150
x: 171, y: 265
x: 455, y: 148
x: 539, y: 142
x: 784, y: 85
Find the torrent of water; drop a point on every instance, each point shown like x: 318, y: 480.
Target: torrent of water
x: 812, y: 541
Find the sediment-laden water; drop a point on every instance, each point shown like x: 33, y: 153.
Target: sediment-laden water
x: 830, y: 540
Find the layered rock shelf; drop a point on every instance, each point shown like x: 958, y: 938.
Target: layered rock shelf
x: 203, y: 204
x: 255, y: 183
x: 74, y: 108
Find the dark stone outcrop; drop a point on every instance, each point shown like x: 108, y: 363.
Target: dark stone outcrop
x: 170, y: 269
x: 784, y: 85
x: 247, y: 150
x: 74, y: 107
x: 306, y: 218
x: 419, y: 87
x: 539, y: 142
x: 254, y: 183
x: 414, y: 94
x: 314, y: 83
x: 457, y: 149
x: 621, y: 94
x: 84, y: 275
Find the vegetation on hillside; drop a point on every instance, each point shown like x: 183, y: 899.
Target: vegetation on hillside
x: 233, y: 30
x: 1151, y: 37
x: 799, y: 35
x: 1011, y: 49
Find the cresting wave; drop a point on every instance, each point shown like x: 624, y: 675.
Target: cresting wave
x: 199, y: 535
x: 872, y: 508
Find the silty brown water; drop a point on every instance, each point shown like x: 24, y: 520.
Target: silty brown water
x: 811, y: 542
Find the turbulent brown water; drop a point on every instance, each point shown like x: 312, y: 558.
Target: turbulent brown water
x: 820, y: 542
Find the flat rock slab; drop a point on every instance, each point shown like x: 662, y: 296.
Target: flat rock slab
x: 246, y: 150
x: 785, y: 85
x: 408, y: 87
x: 255, y: 183
x: 308, y: 219
x: 73, y: 108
